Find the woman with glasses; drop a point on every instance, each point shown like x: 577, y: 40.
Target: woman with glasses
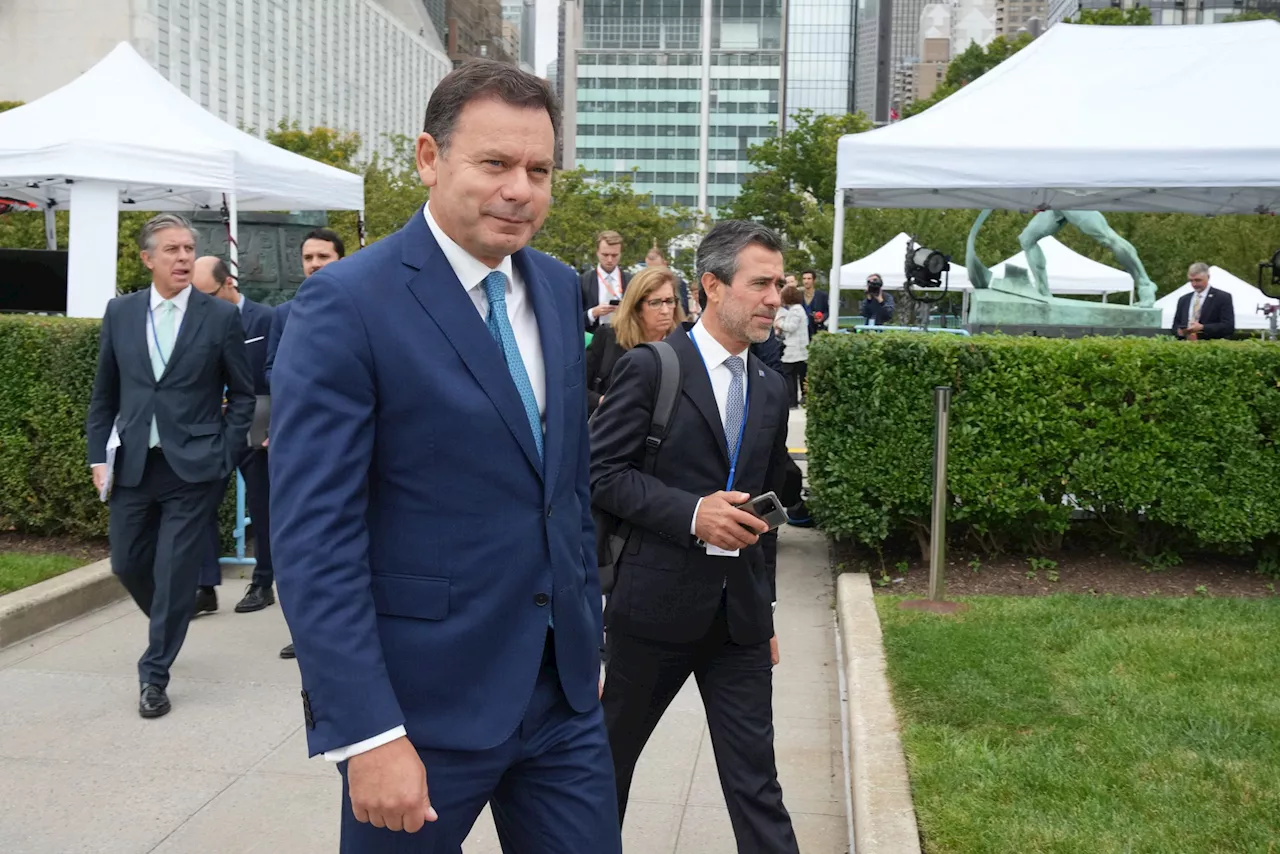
x: 649, y: 311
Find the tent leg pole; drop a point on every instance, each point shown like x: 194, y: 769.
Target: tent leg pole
x: 50, y: 229
x: 233, y: 225
x: 91, y: 255
x: 837, y: 261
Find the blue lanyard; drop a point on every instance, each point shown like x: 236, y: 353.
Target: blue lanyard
x: 164, y: 363
x: 742, y: 431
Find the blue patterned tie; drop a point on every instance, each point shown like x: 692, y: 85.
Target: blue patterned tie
x: 736, y: 406
x: 495, y: 287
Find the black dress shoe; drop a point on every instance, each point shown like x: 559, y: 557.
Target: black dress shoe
x: 287, y: 652
x: 206, y: 600
x: 255, y: 599
x: 154, y: 702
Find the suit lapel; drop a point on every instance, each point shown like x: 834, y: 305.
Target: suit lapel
x: 137, y: 331
x: 553, y: 361
x: 697, y: 387
x: 197, y: 309
x: 757, y: 403
x: 443, y: 297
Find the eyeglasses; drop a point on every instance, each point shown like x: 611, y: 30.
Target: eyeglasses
x: 656, y: 304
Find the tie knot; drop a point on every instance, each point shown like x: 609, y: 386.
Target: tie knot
x: 735, y: 365
x: 495, y: 287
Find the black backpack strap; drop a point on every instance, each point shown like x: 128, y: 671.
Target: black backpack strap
x: 665, y: 397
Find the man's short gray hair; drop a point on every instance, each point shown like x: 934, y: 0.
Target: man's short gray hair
x: 157, y: 224
x: 718, y: 253
x: 1198, y: 268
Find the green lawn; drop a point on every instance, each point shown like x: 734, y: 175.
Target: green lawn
x: 22, y: 569
x: 1082, y: 725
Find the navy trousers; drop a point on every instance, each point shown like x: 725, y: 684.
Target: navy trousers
x: 550, y: 787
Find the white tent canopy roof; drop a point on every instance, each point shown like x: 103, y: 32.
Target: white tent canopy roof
x: 1245, y: 299
x: 1168, y: 119
x: 1072, y: 273
x: 889, y: 261
x: 122, y: 123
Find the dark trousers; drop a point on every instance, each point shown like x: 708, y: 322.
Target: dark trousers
x: 157, y: 533
x: 257, y: 488
x: 736, y: 683
x: 550, y: 787
x: 794, y: 373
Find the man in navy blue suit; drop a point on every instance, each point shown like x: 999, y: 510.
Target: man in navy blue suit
x: 434, y: 548
x: 212, y: 276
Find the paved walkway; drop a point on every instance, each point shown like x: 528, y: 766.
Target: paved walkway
x: 227, y: 771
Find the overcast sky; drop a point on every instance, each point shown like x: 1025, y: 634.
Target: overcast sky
x: 548, y: 31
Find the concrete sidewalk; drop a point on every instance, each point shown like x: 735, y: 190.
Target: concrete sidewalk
x: 227, y: 771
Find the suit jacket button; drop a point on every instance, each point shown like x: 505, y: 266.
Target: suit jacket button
x: 549, y: 509
x: 541, y: 599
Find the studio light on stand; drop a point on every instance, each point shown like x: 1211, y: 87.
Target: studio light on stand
x: 1271, y: 289
x: 926, y: 268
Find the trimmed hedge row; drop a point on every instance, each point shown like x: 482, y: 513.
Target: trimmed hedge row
x: 1165, y: 446
x: 47, y: 365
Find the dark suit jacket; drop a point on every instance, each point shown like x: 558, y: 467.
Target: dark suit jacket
x: 256, y: 319
x: 278, y: 320
x: 603, y: 353
x: 418, y: 581
x: 589, y: 283
x: 668, y: 588
x: 821, y: 303
x: 200, y: 442
x: 1217, y: 314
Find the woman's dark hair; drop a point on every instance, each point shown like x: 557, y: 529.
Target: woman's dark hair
x: 791, y: 295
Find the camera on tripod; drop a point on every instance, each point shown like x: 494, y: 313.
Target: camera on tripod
x: 1272, y: 288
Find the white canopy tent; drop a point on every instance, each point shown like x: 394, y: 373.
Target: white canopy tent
x: 1072, y: 273
x: 121, y: 137
x: 1245, y: 299
x: 1088, y: 118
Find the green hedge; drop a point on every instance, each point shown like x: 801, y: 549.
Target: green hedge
x: 46, y: 375
x: 1166, y: 446
x: 47, y: 366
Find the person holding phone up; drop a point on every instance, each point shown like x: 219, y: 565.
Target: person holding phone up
x: 694, y: 594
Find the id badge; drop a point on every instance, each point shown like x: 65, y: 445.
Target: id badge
x: 716, y: 551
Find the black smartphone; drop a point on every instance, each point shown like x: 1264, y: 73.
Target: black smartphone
x: 615, y: 301
x: 768, y: 508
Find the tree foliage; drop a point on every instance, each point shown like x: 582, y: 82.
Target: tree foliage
x: 582, y: 206
x: 1138, y: 16
x: 1251, y: 15
x: 326, y: 145
x: 5, y: 106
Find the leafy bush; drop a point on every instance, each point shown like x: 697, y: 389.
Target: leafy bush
x: 1156, y: 443
x: 47, y: 365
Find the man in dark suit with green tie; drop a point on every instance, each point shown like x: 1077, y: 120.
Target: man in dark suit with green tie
x: 166, y: 356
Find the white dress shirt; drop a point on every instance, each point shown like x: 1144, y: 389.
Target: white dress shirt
x: 471, y: 272
x: 714, y: 356
x: 180, y: 303
x: 609, y: 287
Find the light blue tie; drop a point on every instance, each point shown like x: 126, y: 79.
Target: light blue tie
x: 736, y: 405
x: 162, y: 327
x: 495, y: 287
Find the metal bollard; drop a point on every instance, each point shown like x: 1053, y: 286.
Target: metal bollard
x: 938, y: 525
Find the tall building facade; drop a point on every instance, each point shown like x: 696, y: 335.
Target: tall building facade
x: 351, y: 65
x: 1014, y: 16
x: 475, y: 30
x: 648, y: 105
x: 819, y: 54
x: 873, y: 71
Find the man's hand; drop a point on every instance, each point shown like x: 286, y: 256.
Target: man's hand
x: 266, y: 441
x: 388, y: 787
x: 601, y: 694
x: 100, y: 476
x: 601, y: 310
x: 774, y: 656
x: 723, y: 525
x: 1195, y: 327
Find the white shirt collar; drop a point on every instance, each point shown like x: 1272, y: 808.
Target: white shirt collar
x: 470, y: 270
x: 610, y: 276
x: 713, y: 353
x: 180, y: 301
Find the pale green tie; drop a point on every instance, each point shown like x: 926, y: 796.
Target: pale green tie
x: 163, y: 318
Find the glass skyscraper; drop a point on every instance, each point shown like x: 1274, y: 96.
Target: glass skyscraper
x: 819, y: 57
x: 639, y: 94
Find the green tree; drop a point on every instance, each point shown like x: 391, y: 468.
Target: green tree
x: 1251, y: 15
x: 583, y: 205
x: 794, y: 172
x: 320, y: 143
x: 5, y: 106
x: 1138, y: 16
